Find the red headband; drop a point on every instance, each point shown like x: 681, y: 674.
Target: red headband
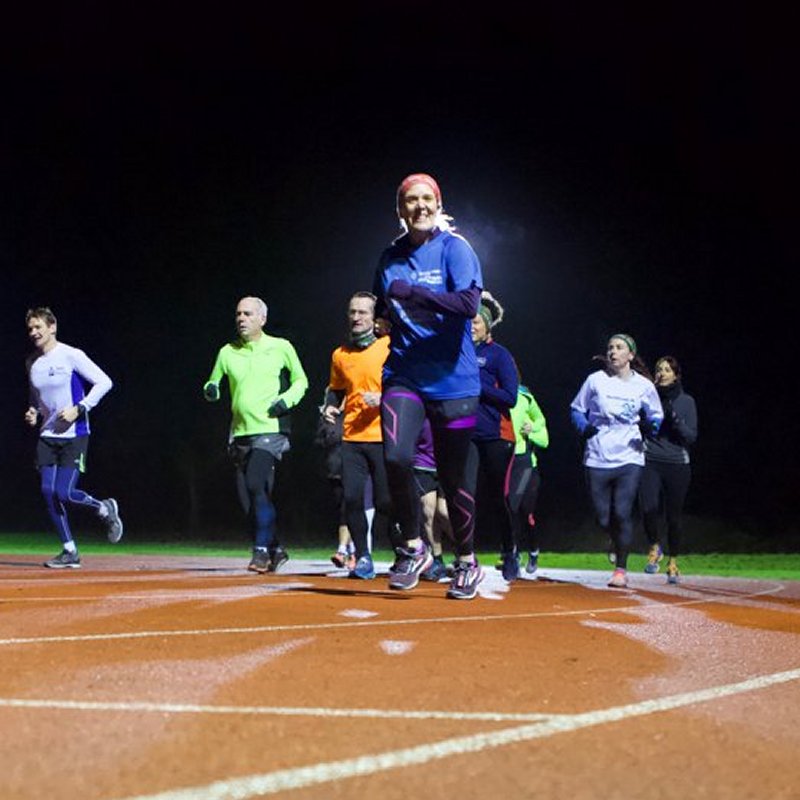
x: 418, y: 177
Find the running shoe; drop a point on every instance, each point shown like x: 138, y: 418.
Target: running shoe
x: 364, y: 569
x: 277, y: 558
x: 466, y: 577
x: 533, y: 562
x: 339, y: 559
x: 436, y: 571
x: 64, y: 560
x: 408, y: 566
x: 673, y: 573
x: 511, y: 566
x: 112, y: 520
x: 259, y: 562
x: 654, y: 557
x: 619, y: 580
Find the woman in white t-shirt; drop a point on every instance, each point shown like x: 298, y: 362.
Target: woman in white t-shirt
x: 610, y: 411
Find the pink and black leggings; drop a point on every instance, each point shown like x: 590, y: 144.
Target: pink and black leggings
x: 403, y: 414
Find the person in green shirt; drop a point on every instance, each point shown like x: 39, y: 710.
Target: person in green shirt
x: 530, y: 429
x: 266, y: 380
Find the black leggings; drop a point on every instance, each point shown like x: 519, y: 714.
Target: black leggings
x: 492, y: 461
x: 255, y: 478
x: 668, y: 484
x: 523, y: 493
x: 613, y: 492
x: 360, y: 462
x: 403, y: 414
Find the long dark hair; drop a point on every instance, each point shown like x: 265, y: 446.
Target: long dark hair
x: 673, y: 363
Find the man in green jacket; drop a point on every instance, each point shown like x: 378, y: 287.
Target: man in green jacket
x: 266, y: 380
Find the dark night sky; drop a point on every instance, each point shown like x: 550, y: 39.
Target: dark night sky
x: 614, y: 170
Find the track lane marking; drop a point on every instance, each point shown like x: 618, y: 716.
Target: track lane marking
x: 178, y: 596
x: 328, y: 626
x: 330, y: 771
x: 280, y: 711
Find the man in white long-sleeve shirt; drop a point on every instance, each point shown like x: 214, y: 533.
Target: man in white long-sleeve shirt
x: 65, y: 384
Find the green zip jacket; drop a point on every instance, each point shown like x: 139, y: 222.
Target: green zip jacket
x: 259, y: 374
x: 527, y: 410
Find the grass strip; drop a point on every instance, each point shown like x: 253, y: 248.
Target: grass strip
x: 771, y: 566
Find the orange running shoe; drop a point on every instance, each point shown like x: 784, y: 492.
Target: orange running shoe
x: 619, y: 580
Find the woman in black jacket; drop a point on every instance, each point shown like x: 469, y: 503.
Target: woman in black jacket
x: 667, y: 470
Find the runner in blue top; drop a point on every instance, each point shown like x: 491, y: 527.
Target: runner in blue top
x: 428, y: 285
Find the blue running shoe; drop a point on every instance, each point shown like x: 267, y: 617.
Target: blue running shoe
x: 436, y: 572
x: 654, y: 559
x: 533, y: 562
x: 364, y: 569
x: 511, y: 566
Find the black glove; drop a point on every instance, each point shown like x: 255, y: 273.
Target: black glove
x: 278, y: 408
x: 327, y: 435
x: 401, y: 290
x: 211, y: 392
x: 588, y: 432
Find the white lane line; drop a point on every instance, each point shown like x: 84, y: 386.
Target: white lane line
x: 328, y: 772
x: 279, y: 711
x: 177, y: 595
x: 327, y: 626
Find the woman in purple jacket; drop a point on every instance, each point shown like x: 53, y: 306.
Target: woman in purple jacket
x: 492, y: 449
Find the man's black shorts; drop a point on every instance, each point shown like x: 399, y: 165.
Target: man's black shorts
x: 52, y: 451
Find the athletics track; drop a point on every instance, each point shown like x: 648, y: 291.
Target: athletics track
x: 191, y: 679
